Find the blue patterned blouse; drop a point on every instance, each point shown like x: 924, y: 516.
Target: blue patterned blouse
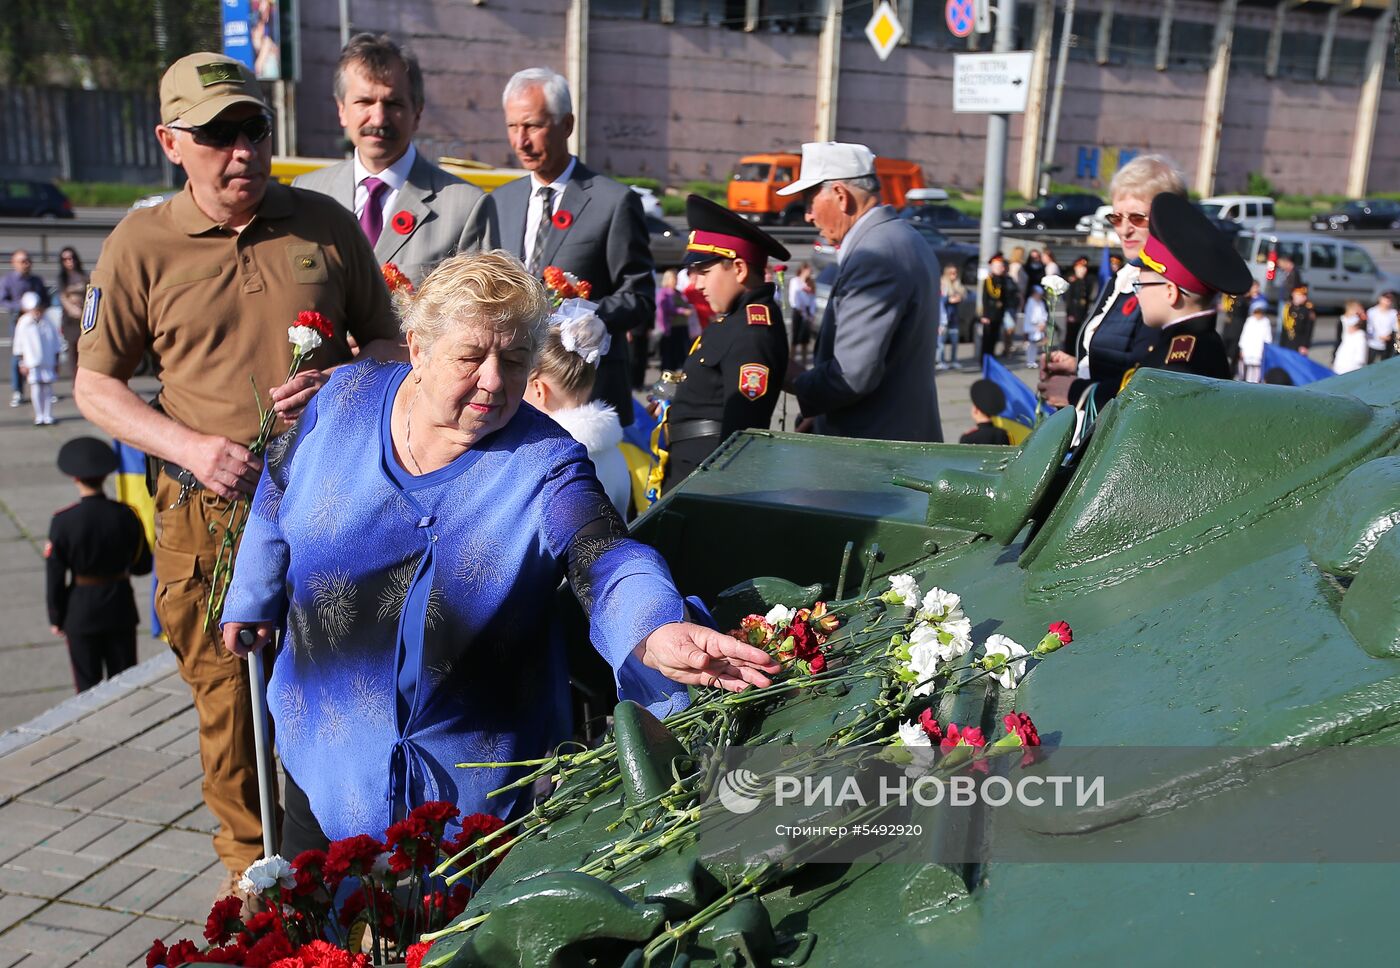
x: 417, y: 609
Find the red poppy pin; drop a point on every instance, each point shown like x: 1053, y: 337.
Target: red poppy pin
x: 403, y: 222
x: 563, y: 219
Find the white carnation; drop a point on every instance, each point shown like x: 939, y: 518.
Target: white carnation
x: 1014, y: 668
x: 923, y: 657
x: 1054, y: 286
x: 940, y: 606
x: 265, y: 874
x: 779, y: 615
x: 912, y: 734
x: 903, y: 590
x: 955, y: 638
x: 304, y: 338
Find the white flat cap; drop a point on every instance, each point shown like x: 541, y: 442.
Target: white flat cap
x: 824, y: 161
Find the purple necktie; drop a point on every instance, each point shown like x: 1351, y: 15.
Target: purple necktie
x: 372, y: 215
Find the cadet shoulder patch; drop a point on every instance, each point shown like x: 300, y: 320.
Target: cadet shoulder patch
x: 753, y: 379
x: 90, y: 303
x: 1181, y: 349
x: 758, y: 316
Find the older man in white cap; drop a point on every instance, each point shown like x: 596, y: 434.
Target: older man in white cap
x: 872, y: 373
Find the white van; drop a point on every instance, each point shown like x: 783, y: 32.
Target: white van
x: 1333, y: 270
x: 1251, y: 211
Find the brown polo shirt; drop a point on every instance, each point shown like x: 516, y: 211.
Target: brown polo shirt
x: 213, y: 306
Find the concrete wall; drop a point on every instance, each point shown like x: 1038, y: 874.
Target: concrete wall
x: 679, y: 102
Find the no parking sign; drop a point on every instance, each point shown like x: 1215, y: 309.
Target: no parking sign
x: 961, y: 16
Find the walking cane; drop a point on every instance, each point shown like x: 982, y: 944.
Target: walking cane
x: 258, y: 684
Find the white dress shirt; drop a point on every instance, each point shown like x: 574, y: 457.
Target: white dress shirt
x: 395, y: 176
x: 532, y: 211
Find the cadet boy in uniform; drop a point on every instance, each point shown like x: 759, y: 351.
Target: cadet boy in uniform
x: 102, y: 544
x: 1185, y: 262
x: 734, y: 373
x: 1296, y: 321
x: 209, y: 282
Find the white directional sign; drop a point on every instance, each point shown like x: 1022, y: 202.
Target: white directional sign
x: 884, y: 30
x: 991, y: 83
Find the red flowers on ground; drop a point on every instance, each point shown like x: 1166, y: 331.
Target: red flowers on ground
x: 1020, y: 725
x: 1063, y: 630
x: 353, y: 856
x: 416, y: 954
x: 961, y: 736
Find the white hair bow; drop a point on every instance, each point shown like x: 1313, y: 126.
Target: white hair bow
x: 580, y: 329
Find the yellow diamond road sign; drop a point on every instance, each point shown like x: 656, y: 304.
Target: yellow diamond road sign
x: 884, y: 30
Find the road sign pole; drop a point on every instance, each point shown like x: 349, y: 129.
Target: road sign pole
x: 994, y: 175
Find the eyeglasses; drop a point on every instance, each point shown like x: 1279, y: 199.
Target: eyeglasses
x: 1136, y: 219
x: 224, y: 134
x: 1139, y: 286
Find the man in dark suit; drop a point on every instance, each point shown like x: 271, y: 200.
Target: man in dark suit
x: 413, y: 213
x: 567, y: 215
x: 873, y: 369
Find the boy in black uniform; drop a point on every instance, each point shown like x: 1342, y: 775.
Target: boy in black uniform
x: 999, y: 297
x: 1185, y: 262
x: 988, y: 401
x: 1296, y: 321
x: 103, y: 543
x: 734, y: 373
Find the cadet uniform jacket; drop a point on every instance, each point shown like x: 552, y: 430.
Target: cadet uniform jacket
x: 101, y: 543
x: 735, y: 371
x: 1190, y: 345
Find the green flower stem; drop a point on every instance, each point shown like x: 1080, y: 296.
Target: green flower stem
x: 454, y: 878
x: 748, y: 884
x: 457, y: 928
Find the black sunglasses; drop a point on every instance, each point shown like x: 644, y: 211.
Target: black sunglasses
x: 224, y: 134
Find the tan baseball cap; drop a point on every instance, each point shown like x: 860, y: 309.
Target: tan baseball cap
x: 198, y: 87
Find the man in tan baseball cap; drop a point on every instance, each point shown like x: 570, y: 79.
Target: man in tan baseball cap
x: 197, y: 88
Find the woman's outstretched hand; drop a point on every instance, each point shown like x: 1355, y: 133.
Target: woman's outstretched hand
x: 258, y: 637
x: 694, y: 655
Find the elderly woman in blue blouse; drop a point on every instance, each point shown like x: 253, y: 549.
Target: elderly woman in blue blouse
x: 412, y: 529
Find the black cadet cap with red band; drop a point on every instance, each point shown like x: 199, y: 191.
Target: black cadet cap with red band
x: 1185, y: 248
x: 717, y: 233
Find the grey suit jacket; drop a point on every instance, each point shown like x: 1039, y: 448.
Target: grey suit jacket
x: 872, y: 373
x: 450, y: 216
x: 607, y: 245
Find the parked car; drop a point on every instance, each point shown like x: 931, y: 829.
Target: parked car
x: 651, y: 205
x: 1333, y: 269
x: 1051, y: 212
x: 22, y: 198
x: 667, y: 242
x: 1363, y: 213
x: 962, y: 254
x: 1250, y: 211
x: 940, y: 216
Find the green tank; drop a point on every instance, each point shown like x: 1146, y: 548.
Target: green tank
x: 1226, y: 558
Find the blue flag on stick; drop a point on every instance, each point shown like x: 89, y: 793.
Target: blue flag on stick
x: 1299, y: 368
x: 1020, y: 399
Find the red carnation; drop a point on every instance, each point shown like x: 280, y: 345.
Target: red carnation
x: 962, y: 736
x: 156, y: 956
x: 1020, y: 725
x: 1062, y: 629
x: 310, y: 872
x: 563, y: 219
x: 225, y: 920
x: 585, y: 289
x: 268, y: 949
x: 411, y: 842
x: 403, y: 222
x: 227, y: 955
x: 436, y: 814
x: 816, y: 663
x: 416, y: 954
x: 180, y: 953
x: 322, y: 325
x: 930, y: 725
x: 353, y: 856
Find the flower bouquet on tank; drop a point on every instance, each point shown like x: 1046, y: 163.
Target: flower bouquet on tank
x: 362, y: 902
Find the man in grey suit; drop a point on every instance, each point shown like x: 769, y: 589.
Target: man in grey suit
x: 414, y: 213
x: 872, y: 371
x: 567, y: 215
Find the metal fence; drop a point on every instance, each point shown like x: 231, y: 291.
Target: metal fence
x: 78, y: 135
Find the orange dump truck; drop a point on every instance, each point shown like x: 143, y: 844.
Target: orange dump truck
x: 753, y: 191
